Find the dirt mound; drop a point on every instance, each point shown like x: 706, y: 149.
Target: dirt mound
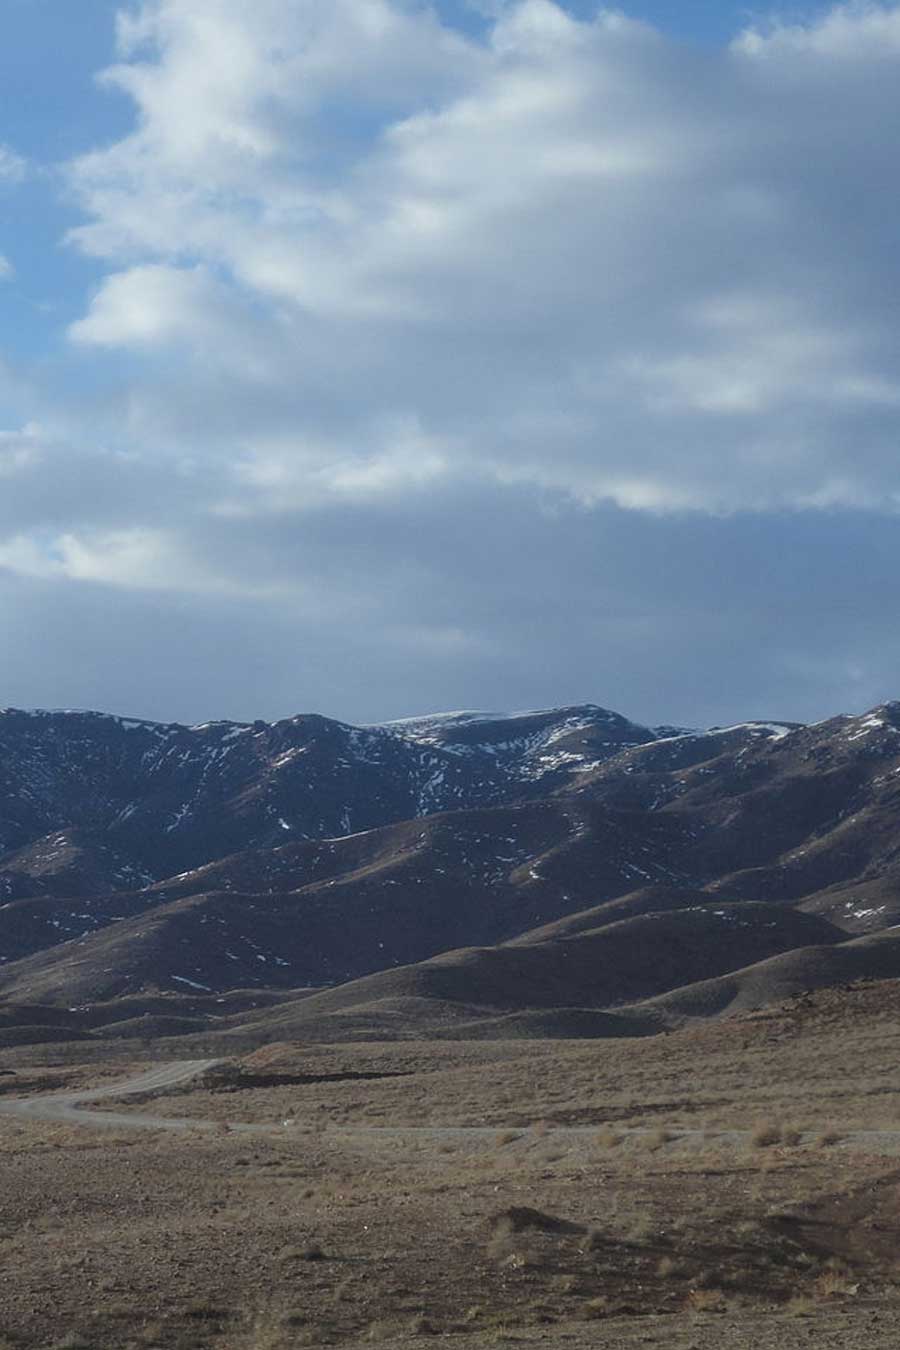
x: 522, y: 1219
x: 860, y: 1226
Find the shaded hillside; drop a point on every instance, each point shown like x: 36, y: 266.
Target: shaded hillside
x: 797, y: 814
x: 606, y: 822
x: 165, y: 797
x: 873, y: 957
x: 385, y: 899
x: 68, y: 862
x: 602, y: 969
x: 646, y: 900
x: 141, y: 1018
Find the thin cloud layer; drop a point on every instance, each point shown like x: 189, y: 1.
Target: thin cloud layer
x: 369, y: 286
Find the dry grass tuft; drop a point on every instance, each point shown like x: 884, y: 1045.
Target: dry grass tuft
x: 423, y: 1326
x: 769, y: 1133
x: 385, y: 1330
x: 608, y: 1138
x: 835, y: 1282
x: 827, y: 1138
x: 766, y: 1133
x: 502, y: 1246
x: 266, y: 1334
x: 641, y: 1229
x: 200, y: 1311
x: 595, y: 1308
x: 507, y: 1244
x: 705, y: 1301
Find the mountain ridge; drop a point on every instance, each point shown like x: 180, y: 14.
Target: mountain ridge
x: 138, y: 856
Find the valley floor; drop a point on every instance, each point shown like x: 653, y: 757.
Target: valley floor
x: 726, y: 1186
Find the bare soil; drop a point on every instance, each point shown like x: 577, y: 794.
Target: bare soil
x: 706, y: 1189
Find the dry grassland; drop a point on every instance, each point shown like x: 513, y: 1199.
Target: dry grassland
x: 705, y: 1189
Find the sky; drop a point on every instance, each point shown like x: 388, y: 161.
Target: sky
x: 376, y: 357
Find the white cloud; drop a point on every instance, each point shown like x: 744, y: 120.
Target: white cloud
x: 850, y: 32
x: 140, y: 558
x: 119, y: 557
x: 386, y: 320
x: 153, y: 306
x: 12, y: 166
x: 293, y: 476
x: 19, y: 450
x: 576, y: 256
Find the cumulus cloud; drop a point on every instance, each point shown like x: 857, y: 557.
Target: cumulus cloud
x: 583, y: 257
x: 368, y: 283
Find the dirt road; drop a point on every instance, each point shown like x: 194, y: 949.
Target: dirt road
x: 66, y: 1107
x: 69, y: 1108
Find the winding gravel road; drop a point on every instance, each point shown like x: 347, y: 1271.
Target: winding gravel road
x: 69, y: 1108
x: 66, y: 1107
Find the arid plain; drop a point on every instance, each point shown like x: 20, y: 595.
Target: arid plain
x: 732, y: 1183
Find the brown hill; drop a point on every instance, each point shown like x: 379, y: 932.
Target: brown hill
x: 595, y: 970
x: 646, y: 900
x: 874, y: 957
x: 334, y: 910
x: 638, y: 827
x: 790, y: 817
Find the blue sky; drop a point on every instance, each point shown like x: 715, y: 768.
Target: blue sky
x: 52, y: 50
x: 371, y: 361
x: 54, y: 108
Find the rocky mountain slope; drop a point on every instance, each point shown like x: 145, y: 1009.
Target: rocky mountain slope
x: 140, y: 801
x: 194, y: 860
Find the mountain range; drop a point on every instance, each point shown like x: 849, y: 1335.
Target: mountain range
x: 558, y: 872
